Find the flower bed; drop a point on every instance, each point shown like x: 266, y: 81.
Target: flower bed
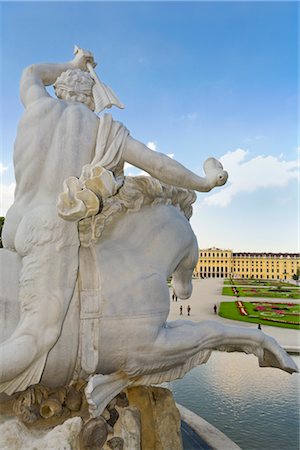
x: 275, y: 314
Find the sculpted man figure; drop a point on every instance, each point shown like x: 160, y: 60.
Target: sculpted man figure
x: 57, y: 140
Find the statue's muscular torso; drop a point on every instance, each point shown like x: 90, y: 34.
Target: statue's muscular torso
x: 55, y: 140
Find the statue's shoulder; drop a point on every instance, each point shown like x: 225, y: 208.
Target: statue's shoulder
x: 44, y: 105
x: 56, y: 110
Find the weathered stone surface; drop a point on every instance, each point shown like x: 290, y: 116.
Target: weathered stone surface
x: 73, y: 399
x: 114, y: 415
x: 116, y: 443
x: 94, y: 434
x: 128, y: 427
x: 15, y: 436
x: 106, y: 414
x: 160, y: 419
x: 112, y: 404
x: 122, y: 400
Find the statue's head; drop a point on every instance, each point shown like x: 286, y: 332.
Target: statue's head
x: 77, y: 86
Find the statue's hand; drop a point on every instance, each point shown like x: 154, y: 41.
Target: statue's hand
x: 215, y: 175
x: 82, y: 57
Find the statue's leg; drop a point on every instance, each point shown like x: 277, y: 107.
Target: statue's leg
x: 49, y: 248
x: 182, y: 345
x: 182, y: 276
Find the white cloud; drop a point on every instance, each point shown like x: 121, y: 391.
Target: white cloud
x: 6, y: 196
x: 131, y: 171
x: 152, y: 146
x: 251, y: 175
x: 127, y: 166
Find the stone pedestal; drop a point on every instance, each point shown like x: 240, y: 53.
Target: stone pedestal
x: 140, y: 418
x: 160, y: 419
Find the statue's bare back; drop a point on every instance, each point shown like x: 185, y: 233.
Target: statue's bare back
x: 51, y: 145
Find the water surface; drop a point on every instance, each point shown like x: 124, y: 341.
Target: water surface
x: 258, y: 408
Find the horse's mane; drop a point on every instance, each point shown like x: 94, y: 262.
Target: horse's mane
x: 135, y: 193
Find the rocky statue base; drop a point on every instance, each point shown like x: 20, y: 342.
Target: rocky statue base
x: 139, y: 418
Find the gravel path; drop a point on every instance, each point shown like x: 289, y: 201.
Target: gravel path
x: 208, y: 292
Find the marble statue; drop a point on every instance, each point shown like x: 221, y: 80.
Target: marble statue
x: 88, y: 251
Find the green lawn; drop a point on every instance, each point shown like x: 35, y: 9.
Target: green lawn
x: 284, y: 315
x: 267, y: 292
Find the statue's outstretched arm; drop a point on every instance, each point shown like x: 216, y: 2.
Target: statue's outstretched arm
x: 37, y: 76
x: 169, y: 171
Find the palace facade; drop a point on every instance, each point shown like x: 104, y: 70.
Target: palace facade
x: 224, y: 263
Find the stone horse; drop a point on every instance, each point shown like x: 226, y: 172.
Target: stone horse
x: 115, y: 332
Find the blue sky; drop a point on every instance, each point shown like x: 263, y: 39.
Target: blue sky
x: 198, y: 79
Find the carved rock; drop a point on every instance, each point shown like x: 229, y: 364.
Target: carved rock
x: 114, y: 415
x: 122, y: 400
x: 112, y: 404
x: 106, y: 414
x: 73, y: 399
x: 15, y: 436
x: 30, y: 414
x: 128, y: 427
x: 116, y: 443
x: 50, y: 407
x: 160, y: 419
x: 93, y: 434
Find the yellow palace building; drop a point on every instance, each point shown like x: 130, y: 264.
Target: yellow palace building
x: 224, y: 263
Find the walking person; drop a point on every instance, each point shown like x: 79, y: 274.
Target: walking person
x: 188, y: 310
x: 215, y: 309
x: 180, y: 309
